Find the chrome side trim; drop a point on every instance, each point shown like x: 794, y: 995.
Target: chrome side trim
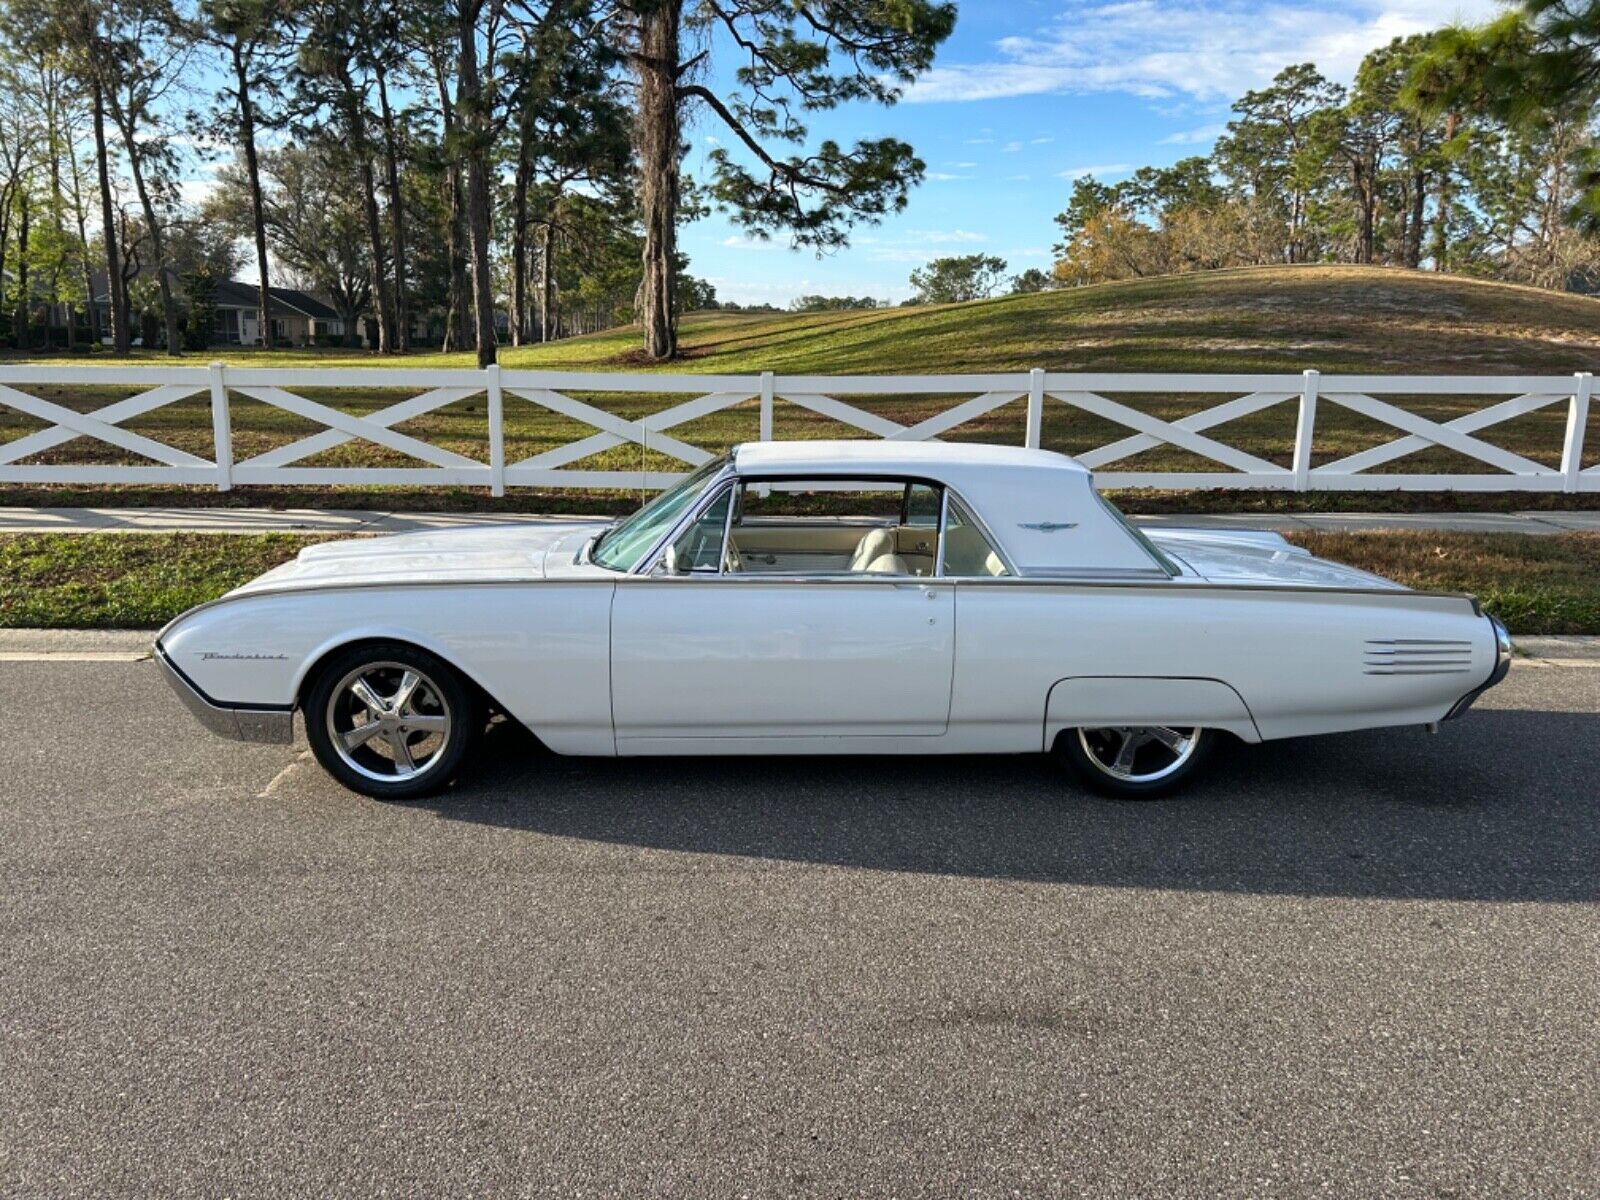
x: 270, y: 725
x: 1417, y: 656
x: 1502, y: 666
x: 1177, y: 586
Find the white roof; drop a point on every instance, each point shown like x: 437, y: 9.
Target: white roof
x: 1040, y: 506
x: 835, y: 457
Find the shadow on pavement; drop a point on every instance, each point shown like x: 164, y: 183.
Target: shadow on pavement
x: 1500, y: 806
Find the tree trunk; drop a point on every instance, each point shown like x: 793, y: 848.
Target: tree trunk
x: 169, y: 308
x: 1419, y: 203
x: 355, y: 133
x: 22, y: 334
x: 1440, y: 249
x: 474, y: 121
x: 657, y: 134
x: 116, y: 289
x: 519, y: 240
x: 82, y: 219
x: 252, y: 170
x: 547, y: 283
x: 457, y: 335
x: 1366, y: 197
x: 58, y: 218
x: 397, y: 216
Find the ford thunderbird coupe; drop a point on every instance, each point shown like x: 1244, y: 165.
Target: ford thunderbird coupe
x: 828, y: 598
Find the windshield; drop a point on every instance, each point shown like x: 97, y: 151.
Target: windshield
x: 622, y: 546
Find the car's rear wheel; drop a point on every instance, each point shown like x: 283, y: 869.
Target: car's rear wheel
x: 1135, y: 762
x: 390, y: 721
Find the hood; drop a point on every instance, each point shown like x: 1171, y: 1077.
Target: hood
x: 474, y: 552
x: 1258, y: 557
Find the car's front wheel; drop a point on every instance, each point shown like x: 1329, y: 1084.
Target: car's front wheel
x: 1135, y: 762
x: 390, y: 720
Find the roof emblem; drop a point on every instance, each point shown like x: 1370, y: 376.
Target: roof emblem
x: 1047, y: 526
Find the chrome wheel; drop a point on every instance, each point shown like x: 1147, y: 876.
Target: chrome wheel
x: 1138, y: 754
x: 388, y: 721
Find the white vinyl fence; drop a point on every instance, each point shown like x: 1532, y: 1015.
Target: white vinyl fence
x: 1491, y: 400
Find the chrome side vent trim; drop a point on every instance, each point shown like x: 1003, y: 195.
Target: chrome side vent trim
x: 1417, y: 656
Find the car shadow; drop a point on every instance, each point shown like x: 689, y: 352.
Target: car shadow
x: 1500, y: 806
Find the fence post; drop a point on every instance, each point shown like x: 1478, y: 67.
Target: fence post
x: 1033, y: 438
x: 497, y: 432
x: 1577, y: 422
x: 1304, y: 428
x: 221, y: 427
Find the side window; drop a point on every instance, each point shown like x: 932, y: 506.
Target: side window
x: 966, y: 551
x: 921, y: 506
x: 699, y: 547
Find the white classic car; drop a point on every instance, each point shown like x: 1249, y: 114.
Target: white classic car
x: 955, y: 599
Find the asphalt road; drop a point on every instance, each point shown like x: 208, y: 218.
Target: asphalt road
x: 1355, y: 966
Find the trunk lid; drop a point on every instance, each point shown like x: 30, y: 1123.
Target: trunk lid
x: 1258, y: 558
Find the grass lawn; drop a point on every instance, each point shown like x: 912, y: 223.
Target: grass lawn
x: 127, y: 581
x: 1336, y: 319
x: 137, y: 580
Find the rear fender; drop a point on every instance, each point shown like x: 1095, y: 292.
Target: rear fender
x: 1100, y: 700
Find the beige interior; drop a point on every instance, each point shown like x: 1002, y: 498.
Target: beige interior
x: 829, y: 546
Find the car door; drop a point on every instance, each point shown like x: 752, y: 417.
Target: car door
x: 712, y: 655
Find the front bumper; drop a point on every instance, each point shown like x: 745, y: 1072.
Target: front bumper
x: 273, y: 725
x: 1502, y: 664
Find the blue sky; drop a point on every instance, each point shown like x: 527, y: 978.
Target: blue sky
x: 1029, y: 93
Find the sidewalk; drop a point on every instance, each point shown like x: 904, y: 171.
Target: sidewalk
x: 336, y: 520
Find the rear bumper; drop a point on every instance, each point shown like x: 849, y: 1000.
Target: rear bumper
x: 1502, y: 665
x: 273, y: 725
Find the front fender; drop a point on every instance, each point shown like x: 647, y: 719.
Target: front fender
x: 540, y: 650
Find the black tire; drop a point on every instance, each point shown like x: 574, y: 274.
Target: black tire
x: 374, y: 767
x: 1070, y: 750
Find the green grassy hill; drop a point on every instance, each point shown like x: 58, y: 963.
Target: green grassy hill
x: 1262, y: 319
x: 1334, y: 318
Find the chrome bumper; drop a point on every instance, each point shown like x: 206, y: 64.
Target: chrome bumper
x: 275, y: 725
x: 1502, y: 665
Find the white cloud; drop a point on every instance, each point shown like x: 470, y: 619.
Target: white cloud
x: 899, y: 254
x: 1040, y: 141
x: 1194, y: 137
x: 712, y: 141
x: 743, y: 241
x: 1011, y: 147
x: 1018, y: 178
x: 1099, y: 170
x: 945, y: 235
x: 980, y: 141
x: 945, y: 176
x: 962, y: 166
x: 1208, y: 49
x: 192, y: 193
